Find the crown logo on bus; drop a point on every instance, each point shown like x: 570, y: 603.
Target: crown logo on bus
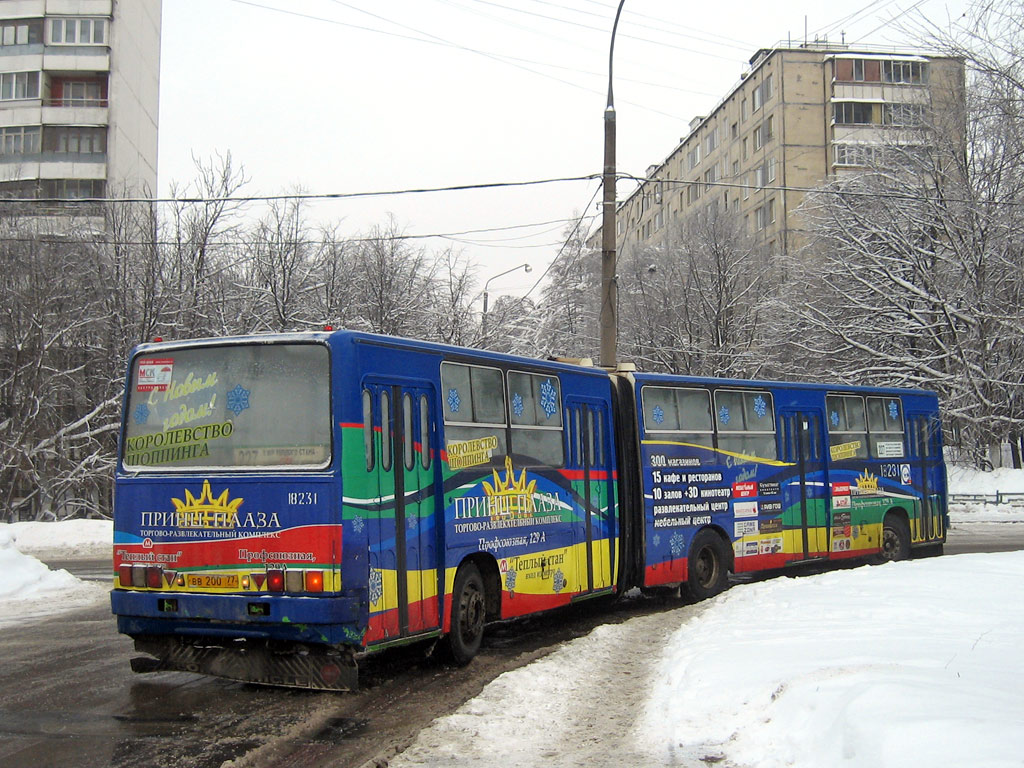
x: 867, y: 483
x: 510, y: 495
x: 207, y: 511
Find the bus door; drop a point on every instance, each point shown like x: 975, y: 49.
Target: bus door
x: 923, y: 452
x: 405, y: 547
x: 589, y: 455
x: 805, y: 494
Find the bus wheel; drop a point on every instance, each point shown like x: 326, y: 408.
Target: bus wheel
x: 468, y: 613
x: 708, y: 565
x: 895, y: 540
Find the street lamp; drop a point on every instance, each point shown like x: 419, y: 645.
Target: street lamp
x: 483, y: 323
x: 609, y: 290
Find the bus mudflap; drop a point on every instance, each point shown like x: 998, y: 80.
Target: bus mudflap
x: 251, y: 661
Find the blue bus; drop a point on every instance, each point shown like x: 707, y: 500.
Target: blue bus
x: 287, y: 503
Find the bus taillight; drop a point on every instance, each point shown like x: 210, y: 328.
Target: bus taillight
x: 314, y: 581
x: 124, y: 576
x: 275, y: 580
x: 154, y: 577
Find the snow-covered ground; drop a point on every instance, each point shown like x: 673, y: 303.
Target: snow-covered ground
x: 29, y: 590
x: 909, y: 664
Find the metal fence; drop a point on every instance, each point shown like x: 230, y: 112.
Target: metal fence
x: 987, y: 498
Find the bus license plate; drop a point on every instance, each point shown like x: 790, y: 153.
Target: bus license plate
x: 212, y: 581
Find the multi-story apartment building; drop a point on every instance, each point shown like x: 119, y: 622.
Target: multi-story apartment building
x: 78, y: 99
x: 797, y: 117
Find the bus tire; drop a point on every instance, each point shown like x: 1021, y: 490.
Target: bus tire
x: 707, y: 565
x: 469, y: 609
x: 895, y: 540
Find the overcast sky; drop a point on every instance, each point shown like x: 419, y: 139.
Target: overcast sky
x: 335, y: 96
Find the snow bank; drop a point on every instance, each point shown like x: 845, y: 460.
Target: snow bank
x: 914, y: 663
x: 66, y: 540
x: 969, y: 480
x: 30, y: 590
x: 966, y: 480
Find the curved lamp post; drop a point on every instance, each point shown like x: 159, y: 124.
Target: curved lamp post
x: 609, y: 290
x: 483, y: 321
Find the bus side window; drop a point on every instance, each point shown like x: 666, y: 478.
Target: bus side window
x: 368, y: 428
x: 473, y: 404
x: 745, y: 422
x: 536, y: 419
x: 386, y: 436
x: 424, y: 432
x: 885, y: 427
x: 847, y: 427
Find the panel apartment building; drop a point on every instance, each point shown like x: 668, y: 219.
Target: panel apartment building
x: 798, y: 116
x: 78, y: 99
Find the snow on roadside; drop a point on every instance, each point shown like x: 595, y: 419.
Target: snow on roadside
x: 66, y: 540
x: 568, y: 708
x: 30, y: 590
x: 914, y: 663
x: 871, y: 667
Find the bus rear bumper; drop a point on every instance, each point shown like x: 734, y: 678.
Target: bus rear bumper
x: 301, y: 642
x: 324, y: 620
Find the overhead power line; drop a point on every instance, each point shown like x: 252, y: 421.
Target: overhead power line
x: 298, y: 195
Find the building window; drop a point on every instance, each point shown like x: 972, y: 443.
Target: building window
x: 693, y: 157
x: 75, y: 140
x: 744, y: 111
x: 770, y: 166
x: 765, y: 215
x: 711, y: 175
x: 735, y: 168
x: 764, y: 133
x: 78, y: 31
x: 858, y: 71
x: 24, y: 32
x: 903, y: 72
x: 763, y: 93
x: 746, y: 151
x: 72, y: 189
x: 711, y: 141
x: 19, y: 140
x: 903, y: 115
x: 78, y: 93
x: 19, y: 85
x: 852, y: 113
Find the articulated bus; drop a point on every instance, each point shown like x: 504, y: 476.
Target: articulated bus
x: 288, y: 503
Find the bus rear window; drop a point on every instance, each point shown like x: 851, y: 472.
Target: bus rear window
x: 237, y: 406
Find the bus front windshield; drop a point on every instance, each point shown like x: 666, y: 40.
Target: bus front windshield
x: 230, y: 406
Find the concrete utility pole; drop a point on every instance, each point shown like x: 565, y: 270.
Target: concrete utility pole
x: 609, y: 289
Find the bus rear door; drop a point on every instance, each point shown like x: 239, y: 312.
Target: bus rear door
x: 403, y: 544
x: 805, y: 494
